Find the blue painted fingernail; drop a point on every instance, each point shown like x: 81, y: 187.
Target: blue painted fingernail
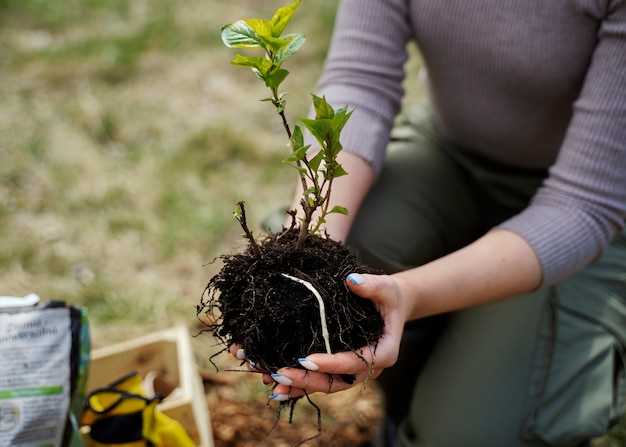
x: 356, y: 278
x: 282, y: 379
x: 280, y: 397
x: 308, y: 364
x: 241, y: 354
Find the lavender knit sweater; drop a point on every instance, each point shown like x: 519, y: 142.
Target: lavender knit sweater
x: 531, y: 83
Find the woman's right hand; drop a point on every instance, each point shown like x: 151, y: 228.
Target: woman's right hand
x: 325, y: 372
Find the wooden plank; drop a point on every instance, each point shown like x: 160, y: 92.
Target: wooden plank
x: 167, y: 354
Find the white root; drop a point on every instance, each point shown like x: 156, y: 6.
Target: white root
x: 314, y: 291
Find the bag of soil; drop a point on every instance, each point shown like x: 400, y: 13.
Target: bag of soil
x: 44, y: 347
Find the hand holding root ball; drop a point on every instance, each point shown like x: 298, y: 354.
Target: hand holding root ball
x: 327, y: 372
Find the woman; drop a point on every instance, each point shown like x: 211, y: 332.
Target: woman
x: 498, y: 212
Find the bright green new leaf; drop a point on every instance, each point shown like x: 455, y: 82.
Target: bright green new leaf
x: 282, y: 17
x: 260, y: 63
x: 240, y: 35
x: 273, y: 45
x: 262, y: 27
x: 340, y: 210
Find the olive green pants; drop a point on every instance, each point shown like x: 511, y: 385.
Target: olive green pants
x: 542, y: 369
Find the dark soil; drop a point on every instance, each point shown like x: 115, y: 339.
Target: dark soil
x: 277, y: 320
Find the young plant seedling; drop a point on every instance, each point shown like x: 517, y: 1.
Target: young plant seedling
x: 318, y: 172
x: 286, y: 297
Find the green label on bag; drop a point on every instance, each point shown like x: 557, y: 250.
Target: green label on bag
x: 31, y: 392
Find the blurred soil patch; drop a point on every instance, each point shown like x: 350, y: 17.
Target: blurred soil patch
x: 243, y: 416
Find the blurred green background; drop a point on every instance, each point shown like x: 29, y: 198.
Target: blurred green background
x: 126, y: 138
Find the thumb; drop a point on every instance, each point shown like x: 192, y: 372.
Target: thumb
x: 368, y: 286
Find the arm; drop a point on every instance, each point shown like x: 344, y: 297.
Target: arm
x: 569, y: 223
x: 496, y: 266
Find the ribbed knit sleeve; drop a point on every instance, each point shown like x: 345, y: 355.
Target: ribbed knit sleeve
x: 583, y: 203
x: 365, y: 69
x: 536, y: 84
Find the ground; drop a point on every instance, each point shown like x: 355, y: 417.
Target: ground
x: 242, y: 415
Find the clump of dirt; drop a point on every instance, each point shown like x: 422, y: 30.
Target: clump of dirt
x: 261, y: 302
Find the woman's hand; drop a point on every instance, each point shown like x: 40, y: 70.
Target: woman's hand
x: 324, y: 372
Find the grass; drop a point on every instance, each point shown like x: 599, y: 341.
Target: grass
x: 126, y: 139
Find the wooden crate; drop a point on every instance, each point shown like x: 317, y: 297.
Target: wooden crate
x: 168, y: 353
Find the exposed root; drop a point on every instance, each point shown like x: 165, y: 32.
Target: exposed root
x: 317, y: 295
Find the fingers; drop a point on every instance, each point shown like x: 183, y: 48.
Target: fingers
x: 311, y: 382
x: 329, y: 373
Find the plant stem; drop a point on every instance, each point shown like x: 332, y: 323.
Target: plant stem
x: 241, y: 218
x: 317, y: 295
x: 308, y: 210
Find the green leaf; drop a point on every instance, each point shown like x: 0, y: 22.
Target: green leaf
x: 297, y: 155
x: 237, y: 213
x: 301, y: 152
x: 319, y: 128
x: 275, y: 77
x: 339, y: 210
x: 314, y: 163
x: 339, y: 171
x: 293, y: 158
x: 240, y: 35
x: 260, y: 63
x: 301, y: 169
x: 340, y: 119
x: 322, y: 108
x: 292, y: 44
x: 262, y: 27
x: 280, y: 106
x: 297, y: 138
x: 282, y: 17
x: 273, y: 45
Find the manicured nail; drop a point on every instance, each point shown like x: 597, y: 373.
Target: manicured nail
x: 356, y: 278
x: 252, y: 364
x: 308, y: 364
x: 241, y: 354
x: 280, y: 397
x: 282, y: 379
